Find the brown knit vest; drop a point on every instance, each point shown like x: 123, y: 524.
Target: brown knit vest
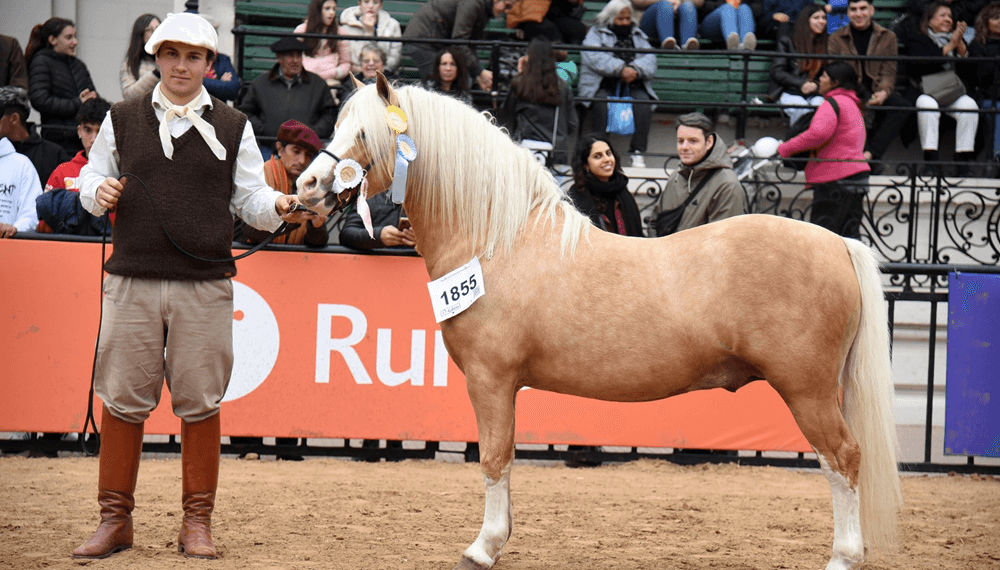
x: 189, y: 195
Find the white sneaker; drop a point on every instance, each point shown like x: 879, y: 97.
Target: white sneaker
x: 732, y: 41
x: 669, y: 43
x: 638, y: 161
x: 749, y: 42
x: 692, y: 43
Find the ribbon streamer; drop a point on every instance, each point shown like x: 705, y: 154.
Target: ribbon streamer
x: 363, y: 210
x: 406, y: 151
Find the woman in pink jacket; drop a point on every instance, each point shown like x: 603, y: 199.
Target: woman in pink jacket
x: 836, y: 137
x: 329, y: 59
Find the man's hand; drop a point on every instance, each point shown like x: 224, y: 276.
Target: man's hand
x: 7, y: 231
x: 87, y: 95
x: 318, y: 221
x: 779, y: 17
x: 485, y: 80
x: 227, y: 76
x: 109, y: 192
x: 629, y: 74
x: 808, y: 87
x: 284, y: 206
x: 390, y: 236
x: 878, y: 97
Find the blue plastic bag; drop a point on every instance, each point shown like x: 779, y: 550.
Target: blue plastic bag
x: 621, y: 119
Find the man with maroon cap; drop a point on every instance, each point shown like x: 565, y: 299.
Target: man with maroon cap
x: 296, y: 147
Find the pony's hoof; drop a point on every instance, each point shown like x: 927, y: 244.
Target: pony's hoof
x: 469, y: 564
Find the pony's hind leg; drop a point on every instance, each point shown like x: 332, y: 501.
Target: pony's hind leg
x: 822, y: 422
x: 494, y: 406
x: 848, y: 546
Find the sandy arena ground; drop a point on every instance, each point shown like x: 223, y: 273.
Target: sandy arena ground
x: 333, y: 514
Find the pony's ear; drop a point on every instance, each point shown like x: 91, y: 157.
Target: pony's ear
x: 385, y: 90
x: 354, y: 80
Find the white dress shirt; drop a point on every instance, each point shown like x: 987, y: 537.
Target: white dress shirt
x: 253, y: 200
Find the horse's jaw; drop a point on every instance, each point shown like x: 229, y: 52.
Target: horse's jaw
x: 315, y: 185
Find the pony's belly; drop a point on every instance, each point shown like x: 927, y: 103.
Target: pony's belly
x: 626, y: 383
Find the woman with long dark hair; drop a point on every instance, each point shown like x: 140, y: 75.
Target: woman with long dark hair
x: 329, y: 59
x: 836, y: 137
x: 793, y: 78
x: 58, y: 82
x: 939, y: 35
x: 600, y: 188
x: 450, y: 75
x: 984, y: 81
x: 539, y: 105
x: 138, y: 75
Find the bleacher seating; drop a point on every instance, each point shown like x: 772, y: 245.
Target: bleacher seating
x: 682, y: 76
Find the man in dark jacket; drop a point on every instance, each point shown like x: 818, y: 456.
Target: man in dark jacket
x: 389, y: 223
x: 13, y: 70
x: 288, y: 92
x: 456, y: 20
x: 45, y: 155
x: 879, y: 76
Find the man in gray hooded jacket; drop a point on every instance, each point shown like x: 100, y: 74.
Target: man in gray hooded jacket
x: 703, y: 159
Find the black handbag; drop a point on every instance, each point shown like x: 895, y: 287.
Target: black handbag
x: 668, y: 220
x: 800, y: 160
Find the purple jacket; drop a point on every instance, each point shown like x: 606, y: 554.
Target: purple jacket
x: 834, y: 138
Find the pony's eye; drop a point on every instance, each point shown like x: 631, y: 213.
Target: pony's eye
x: 361, y: 135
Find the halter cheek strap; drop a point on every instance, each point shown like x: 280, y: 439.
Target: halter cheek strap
x: 338, y: 159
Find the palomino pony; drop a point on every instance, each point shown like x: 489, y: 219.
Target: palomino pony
x: 578, y: 311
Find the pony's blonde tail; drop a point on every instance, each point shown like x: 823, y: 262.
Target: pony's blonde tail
x: 868, y: 407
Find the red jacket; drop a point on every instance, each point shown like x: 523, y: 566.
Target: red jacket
x: 64, y: 177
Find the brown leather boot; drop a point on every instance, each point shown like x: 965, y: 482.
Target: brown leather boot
x: 200, y: 448
x: 121, y: 446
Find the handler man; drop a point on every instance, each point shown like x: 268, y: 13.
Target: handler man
x: 169, y: 316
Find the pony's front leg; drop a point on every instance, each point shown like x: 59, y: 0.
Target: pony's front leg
x: 495, y: 419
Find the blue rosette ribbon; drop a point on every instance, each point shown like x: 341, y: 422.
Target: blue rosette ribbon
x: 406, y: 151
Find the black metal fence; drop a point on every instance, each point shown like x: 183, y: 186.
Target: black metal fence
x: 924, y: 227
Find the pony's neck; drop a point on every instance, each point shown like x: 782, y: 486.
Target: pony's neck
x: 443, y: 250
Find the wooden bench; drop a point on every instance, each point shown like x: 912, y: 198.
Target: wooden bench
x: 694, y: 77
x: 284, y: 15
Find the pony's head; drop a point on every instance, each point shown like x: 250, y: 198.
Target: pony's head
x: 466, y: 175
x: 362, y: 149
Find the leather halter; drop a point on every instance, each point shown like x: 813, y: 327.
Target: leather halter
x: 335, y: 200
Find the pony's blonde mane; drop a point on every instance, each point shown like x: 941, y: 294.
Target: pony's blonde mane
x: 468, y: 174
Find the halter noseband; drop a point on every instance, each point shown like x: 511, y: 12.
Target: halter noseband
x: 352, y: 196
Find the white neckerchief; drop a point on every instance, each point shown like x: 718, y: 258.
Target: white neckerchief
x: 206, y: 130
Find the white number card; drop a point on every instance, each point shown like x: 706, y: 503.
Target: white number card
x: 457, y: 291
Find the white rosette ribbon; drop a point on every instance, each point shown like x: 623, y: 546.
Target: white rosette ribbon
x: 406, y: 151
x: 347, y: 174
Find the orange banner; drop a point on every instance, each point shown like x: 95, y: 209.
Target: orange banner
x: 331, y: 345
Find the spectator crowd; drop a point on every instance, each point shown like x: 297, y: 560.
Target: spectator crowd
x: 562, y: 108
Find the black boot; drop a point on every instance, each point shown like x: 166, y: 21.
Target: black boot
x: 964, y: 169
x: 930, y: 166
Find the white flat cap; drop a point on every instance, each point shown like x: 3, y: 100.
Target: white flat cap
x: 185, y: 28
